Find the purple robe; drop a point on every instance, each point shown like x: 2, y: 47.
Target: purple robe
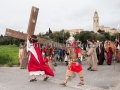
x: 109, y: 56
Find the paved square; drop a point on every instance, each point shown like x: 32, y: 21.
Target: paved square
x: 106, y: 78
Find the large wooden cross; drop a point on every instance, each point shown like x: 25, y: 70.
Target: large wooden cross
x: 30, y: 30
x: 31, y: 26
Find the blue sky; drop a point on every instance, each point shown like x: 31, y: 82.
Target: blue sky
x: 58, y: 14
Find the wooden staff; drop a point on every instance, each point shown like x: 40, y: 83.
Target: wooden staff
x: 117, y: 40
x: 114, y: 60
x: 114, y: 51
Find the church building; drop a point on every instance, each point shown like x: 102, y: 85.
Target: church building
x: 96, y: 26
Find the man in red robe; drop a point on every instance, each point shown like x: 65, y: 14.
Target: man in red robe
x: 36, y: 65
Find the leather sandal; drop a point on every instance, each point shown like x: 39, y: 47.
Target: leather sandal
x: 80, y: 84
x: 32, y: 80
x: 92, y: 70
x: 89, y: 68
x: 21, y: 68
x: 63, y: 83
x: 45, y: 79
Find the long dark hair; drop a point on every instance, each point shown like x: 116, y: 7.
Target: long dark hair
x: 33, y: 38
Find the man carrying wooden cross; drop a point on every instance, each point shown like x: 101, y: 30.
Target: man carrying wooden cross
x: 36, y: 65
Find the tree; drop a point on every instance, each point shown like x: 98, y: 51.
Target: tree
x: 60, y: 37
x: 100, y: 37
x: 107, y: 35
x: 51, y: 36
x: 101, y: 31
x: 1, y: 35
x: 113, y: 37
x: 84, y: 35
x: 50, y: 31
x: 77, y: 36
x: 47, y: 33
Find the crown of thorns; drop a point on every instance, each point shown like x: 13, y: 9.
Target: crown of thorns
x: 33, y: 37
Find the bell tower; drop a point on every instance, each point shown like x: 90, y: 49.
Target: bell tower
x: 95, y: 22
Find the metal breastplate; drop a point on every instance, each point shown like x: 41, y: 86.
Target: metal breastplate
x: 73, y: 54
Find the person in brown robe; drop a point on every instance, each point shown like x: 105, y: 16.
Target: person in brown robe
x: 23, y: 57
x: 92, y: 56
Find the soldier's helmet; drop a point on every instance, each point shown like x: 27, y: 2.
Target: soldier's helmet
x: 71, y: 38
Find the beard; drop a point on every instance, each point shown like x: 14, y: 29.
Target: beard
x: 30, y: 40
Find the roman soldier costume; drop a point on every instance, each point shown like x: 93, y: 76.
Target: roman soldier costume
x: 74, y: 65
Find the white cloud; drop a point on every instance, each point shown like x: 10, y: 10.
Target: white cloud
x: 58, y: 14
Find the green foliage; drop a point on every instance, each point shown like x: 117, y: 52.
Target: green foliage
x: 10, y: 64
x: 9, y: 55
x: 107, y: 36
x: 84, y: 35
x: 101, y: 31
x: 60, y: 37
x: 51, y: 36
x: 6, y: 40
x: 8, y: 60
x: 5, y: 59
x: 112, y: 37
x: 47, y: 33
x: 101, y: 36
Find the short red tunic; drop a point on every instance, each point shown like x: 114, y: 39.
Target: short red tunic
x: 45, y: 60
x: 73, y: 67
x: 51, y: 58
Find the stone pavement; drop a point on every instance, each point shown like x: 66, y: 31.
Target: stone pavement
x: 106, y: 78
